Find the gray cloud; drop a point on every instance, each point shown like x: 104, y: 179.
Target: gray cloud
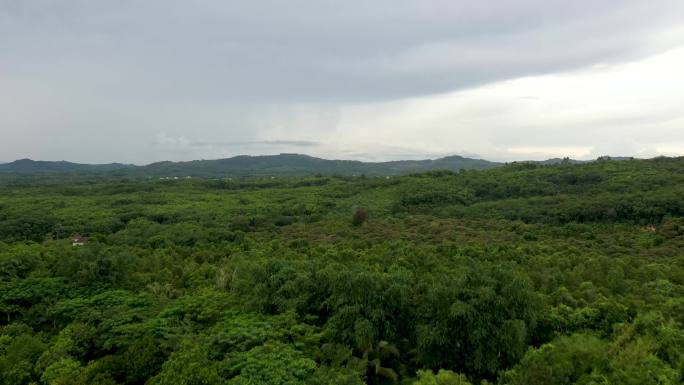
x: 312, y: 51
x: 105, y: 77
x: 297, y: 143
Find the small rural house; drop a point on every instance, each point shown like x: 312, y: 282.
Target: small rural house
x: 78, y: 240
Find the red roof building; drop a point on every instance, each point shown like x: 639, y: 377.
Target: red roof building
x: 78, y: 240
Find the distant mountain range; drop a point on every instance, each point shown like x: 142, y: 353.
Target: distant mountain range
x: 33, y: 166
x: 266, y: 165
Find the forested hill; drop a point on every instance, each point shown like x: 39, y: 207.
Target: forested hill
x: 525, y: 274
x: 267, y: 165
x: 255, y: 166
x: 40, y: 166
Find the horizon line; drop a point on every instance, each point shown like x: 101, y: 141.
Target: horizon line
x: 344, y: 160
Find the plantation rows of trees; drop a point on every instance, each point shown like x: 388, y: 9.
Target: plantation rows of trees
x: 524, y: 274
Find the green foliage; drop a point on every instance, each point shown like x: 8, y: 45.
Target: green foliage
x: 18, y: 358
x: 443, y: 377
x: 523, y: 274
x: 61, y: 372
x: 567, y: 360
x: 271, y: 363
x: 585, y: 359
x: 189, y: 366
x: 478, y: 321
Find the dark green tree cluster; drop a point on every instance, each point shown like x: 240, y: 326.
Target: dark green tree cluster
x: 524, y: 274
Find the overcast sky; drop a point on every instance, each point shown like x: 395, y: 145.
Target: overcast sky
x: 142, y: 81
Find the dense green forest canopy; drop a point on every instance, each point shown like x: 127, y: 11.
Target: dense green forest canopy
x: 522, y: 274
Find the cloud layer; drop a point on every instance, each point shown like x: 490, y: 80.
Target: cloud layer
x: 149, y: 80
